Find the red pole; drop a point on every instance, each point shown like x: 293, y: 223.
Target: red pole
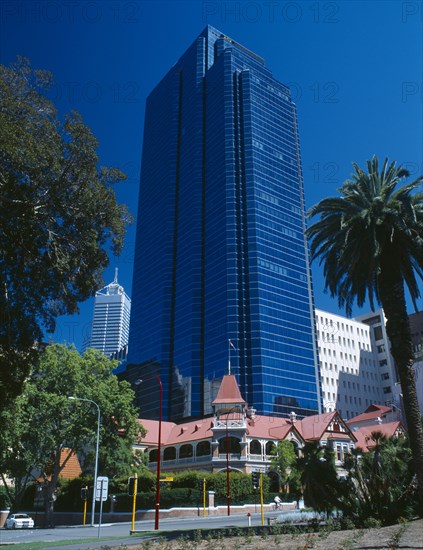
x: 228, y: 481
x: 156, y: 522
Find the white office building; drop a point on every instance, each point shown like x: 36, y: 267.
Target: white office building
x: 416, y: 326
x: 355, y: 367
x: 388, y: 375
x: 110, y: 329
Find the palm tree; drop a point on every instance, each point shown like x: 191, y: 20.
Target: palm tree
x: 379, y: 483
x: 370, y: 241
x: 319, y: 480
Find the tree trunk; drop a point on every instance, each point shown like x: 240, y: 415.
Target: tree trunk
x: 49, y: 506
x: 51, y: 484
x: 391, y: 288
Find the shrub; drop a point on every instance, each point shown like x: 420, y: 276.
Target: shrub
x: 169, y: 498
x: 372, y: 522
x: 4, y: 499
x: 69, y: 495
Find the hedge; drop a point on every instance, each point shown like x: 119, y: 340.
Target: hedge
x: 183, y: 491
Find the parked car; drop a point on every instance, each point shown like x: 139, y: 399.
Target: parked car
x: 19, y: 521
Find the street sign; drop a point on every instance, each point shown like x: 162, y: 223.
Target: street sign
x: 101, y: 488
x: 166, y: 479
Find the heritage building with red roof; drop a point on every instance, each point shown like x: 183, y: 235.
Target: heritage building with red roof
x: 237, y: 438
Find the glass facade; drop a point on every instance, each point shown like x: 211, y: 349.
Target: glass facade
x: 220, y: 250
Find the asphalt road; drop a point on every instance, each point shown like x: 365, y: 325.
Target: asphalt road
x: 122, y: 530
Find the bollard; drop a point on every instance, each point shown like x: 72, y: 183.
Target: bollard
x: 249, y: 519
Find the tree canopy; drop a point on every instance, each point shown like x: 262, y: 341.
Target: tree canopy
x: 58, y: 214
x: 372, y: 224
x: 283, y: 460
x: 44, y: 422
x: 370, y: 241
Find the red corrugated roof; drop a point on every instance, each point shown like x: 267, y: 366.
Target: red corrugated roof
x: 313, y: 427
x: 364, y: 434
x: 371, y: 413
x: 228, y: 392
x: 266, y: 427
x: 176, y: 433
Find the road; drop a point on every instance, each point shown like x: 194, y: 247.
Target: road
x: 121, y: 531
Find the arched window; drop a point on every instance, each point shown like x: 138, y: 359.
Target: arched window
x: 296, y: 448
x: 255, y: 447
x: 203, y: 448
x: 185, y: 451
x: 169, y: 453
x: 233, y: 445
x: 269, y: 447
x: 153, y: 455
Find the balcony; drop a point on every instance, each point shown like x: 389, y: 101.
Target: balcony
x: 230, y: 424
x: 231, y: 456
x: 186, y: 460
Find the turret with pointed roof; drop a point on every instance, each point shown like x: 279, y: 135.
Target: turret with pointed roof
x: 229, y: 406
x: 229, y: 392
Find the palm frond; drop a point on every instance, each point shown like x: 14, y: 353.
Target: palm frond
x: 372, y: 218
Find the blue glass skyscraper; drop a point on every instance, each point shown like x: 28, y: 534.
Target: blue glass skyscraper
x: 220, y: 252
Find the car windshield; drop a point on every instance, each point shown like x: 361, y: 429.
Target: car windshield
x: 21, y: 516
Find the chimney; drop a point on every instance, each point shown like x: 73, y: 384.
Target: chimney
x: 293, y: 417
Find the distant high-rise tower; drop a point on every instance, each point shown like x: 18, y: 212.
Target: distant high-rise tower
x: 221, y: 258
x: 110, y: 329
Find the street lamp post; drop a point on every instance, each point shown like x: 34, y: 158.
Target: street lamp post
x: 96, y: 450
x: 157, y: 512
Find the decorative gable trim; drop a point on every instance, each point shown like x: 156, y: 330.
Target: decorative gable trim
x: 338, y: 425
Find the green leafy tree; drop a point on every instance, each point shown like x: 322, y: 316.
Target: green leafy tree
x: 319, y: 478
x: 47, y: 422
x: 240, y: 484
x: 380, y: 483
x: 58, y: 212
x: 370, y: 240
x: 283, y: 460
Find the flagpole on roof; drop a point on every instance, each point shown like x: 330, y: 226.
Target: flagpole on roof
x: 230, y: 345
x: 229, y: 356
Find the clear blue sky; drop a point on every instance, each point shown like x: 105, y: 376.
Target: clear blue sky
x: 355, y: 69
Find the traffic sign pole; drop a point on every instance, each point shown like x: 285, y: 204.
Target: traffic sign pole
x: 101, y: 504
x: 102, y: 488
